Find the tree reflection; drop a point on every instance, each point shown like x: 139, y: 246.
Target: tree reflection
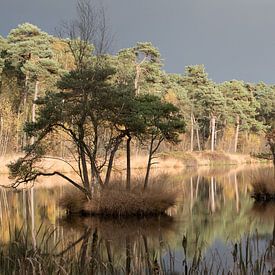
x: 109, y: 243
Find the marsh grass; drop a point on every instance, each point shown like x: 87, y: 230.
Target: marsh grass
x: 114, y: 200
x: 94, y: 253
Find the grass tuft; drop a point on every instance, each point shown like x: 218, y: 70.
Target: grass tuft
x: 115, y: 200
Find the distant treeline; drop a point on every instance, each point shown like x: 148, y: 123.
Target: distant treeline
x: 232, y: 116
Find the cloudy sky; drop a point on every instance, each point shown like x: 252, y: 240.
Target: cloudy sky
x: 235, y: 39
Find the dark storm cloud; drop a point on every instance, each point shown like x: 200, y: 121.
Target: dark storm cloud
x: 234, y: 39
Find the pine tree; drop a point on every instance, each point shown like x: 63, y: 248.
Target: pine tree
x: 207, y: 102
x: 241, y: 107
x: 29, y: 55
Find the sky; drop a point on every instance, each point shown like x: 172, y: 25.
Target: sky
x: 234, y: 39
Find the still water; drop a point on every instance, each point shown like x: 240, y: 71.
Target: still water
x: 214, y: 227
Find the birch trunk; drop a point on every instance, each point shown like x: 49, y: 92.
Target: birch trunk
x: 236, y: 134
x: 192, y: 133
x: 197, y: 133
x: 213, y: 128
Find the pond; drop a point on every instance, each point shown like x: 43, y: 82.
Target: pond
x: 215, y: 227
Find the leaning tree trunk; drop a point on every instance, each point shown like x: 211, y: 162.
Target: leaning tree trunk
x: 137, y: 77
x: 213, y: 129
x: 85, y: 174
x: 110, y: 163
x: 149, y: 163
x: 236, y: 134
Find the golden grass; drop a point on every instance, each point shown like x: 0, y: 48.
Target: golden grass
x: 115, y: 200
x: 171, y: 160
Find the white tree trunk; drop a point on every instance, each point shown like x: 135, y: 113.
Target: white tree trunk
x: 34, y: 105
x: 192, y: 134
x: 213, y: 128
x: 236, y: 134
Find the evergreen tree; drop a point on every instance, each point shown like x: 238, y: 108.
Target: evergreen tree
x: 30, y: 58
x: 207, y: 102
x: 241, y: 108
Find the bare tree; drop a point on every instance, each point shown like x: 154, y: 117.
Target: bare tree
x: 88, y: 32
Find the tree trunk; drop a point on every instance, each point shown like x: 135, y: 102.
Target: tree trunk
x: 197, y: 132
x: 24, y: 142
x: 236, y: 134
x: 110, y: 163
x: 213, y: 128
x: 34, y: 105
x: 148, y: 165
x: 198, y: 138
x: 128, y: 169
x: 192, y: 134
x: 137, y: 88
x: 86, y: 183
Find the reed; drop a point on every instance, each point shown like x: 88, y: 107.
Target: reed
x: 91, y: 253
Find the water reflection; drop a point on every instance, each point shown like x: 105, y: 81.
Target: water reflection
x: 130, y: 243
x: 214, y: 211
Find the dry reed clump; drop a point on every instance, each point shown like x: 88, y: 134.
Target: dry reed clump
x: 263, y: 183
x: 115, y: 200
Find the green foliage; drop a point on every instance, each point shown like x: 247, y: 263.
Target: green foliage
x: 265, y: 97
x: 241, y: 105
x: 162, y: 119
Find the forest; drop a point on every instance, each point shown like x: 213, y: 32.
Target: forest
x: 232, y: 116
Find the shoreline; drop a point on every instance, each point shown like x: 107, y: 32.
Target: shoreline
x: 166, y: 160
